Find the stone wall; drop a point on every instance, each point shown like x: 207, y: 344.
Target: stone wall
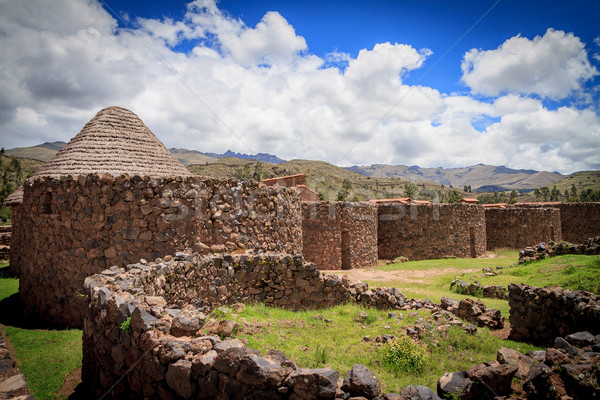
x: 538, y: 315
x: 519, y: 227
x: 5, y: 234
x: 339, y: 235
x: 579, y: 221
x: 73, y: 228
x: 431, y: 231
x: 142, y: 334
x: 166, y: 302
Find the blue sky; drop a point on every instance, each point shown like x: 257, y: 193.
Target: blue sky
x: 348, y: 82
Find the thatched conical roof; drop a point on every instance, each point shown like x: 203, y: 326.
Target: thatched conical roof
x: 15, y: 198
x: 114, y: 142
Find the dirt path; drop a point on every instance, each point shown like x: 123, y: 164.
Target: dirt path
x: 411, y: 276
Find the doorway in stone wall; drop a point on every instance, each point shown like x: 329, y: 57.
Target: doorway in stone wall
x: 345, y: 250
x: 472, y: 241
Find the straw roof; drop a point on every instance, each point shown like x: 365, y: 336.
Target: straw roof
x: 15, y: 198
x: 114, y: 142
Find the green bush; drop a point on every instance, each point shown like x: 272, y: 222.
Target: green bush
x: 126, y: 325
x: 405, y: 355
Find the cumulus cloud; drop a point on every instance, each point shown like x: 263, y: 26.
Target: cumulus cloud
x: 554, y: 65
x: 259, y: 89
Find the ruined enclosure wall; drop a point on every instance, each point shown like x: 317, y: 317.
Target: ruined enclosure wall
x: 430, y: 231
x: 163, y: 300
x: 18, y: 244
x: 5, y: 235
x: 539, y: 315
x: 73, y: 228
x: 520, y: 227
x: 339, y: 235
x: 579, y: 221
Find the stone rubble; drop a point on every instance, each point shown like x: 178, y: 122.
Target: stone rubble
x: 538, y: 315
x: 590, y: 246
x: 555, y: 373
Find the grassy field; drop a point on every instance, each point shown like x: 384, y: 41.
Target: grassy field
x: 333, y: 337
x: 45, y: 356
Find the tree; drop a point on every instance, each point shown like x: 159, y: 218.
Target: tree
x: 545, y: 193
x: 454, y: 196
x: 258, y: 171
x: 537, y: 194
x: 513, y: 197
x: 410, y: 189
x: 342, y: 195
x: 2, y: 150
x: 467, y: 189
x: 347, y: 185
x: 554, y: 194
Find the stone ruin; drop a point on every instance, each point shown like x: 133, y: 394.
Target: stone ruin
x: 144, y: 322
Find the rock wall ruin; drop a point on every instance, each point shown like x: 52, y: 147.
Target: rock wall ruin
x: 339, y: 235
x: 164, y: 301
x: 430, y: 231
x: 539, y: 315
x: 74, y: 227
x: 5, y: 236
x: 519, y: 227
x: 579, y: 221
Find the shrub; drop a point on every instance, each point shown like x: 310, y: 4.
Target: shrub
x: 405, y: 355
x: 126, y: 325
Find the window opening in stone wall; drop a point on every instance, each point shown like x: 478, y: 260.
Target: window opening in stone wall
x: 472, y: 240
x: 345, y: 250
x: 46, y: 204
x: 552, y: 233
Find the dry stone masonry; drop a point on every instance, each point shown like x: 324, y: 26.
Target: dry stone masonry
x: 431, y: 231
x: 538, y: 315
x: 579, y: 221
x: 590, y: 246
x: 570, y: 369
x: 339, y: 235
x: 74, y: 227
x: 163, y: 304
x: 5, y: 234
x: 516, y: 228
x: 143, y: 323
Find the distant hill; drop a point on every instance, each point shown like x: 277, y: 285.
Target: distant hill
x: 42, y: 152
x: 46, y: 151
x: 190, y: 157
x: 481, y: 178
x: 325, y: 178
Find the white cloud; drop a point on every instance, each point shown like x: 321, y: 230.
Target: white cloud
x: 63, y: 61
x: 554, y: 65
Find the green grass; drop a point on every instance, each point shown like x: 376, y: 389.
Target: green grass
x: 577, y: 272
x: 45, y: 356
x: 306, y: 338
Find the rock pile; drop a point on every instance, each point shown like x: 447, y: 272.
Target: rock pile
x: 12, y: 382
x: 476, y: 289
x: 544, y: 250
x: 475, y: 312
x: 538, y: 315
x: 568, y: 370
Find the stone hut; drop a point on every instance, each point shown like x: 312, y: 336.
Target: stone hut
x: 115, y: 195
x: 298, y: 181
x: 517, y: 227
x: 339, y: 235
x: 426, y: 231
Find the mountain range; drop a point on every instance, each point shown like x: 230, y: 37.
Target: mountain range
x: 480, y: 178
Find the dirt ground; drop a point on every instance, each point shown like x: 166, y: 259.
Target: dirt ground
x: 413, y: 276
